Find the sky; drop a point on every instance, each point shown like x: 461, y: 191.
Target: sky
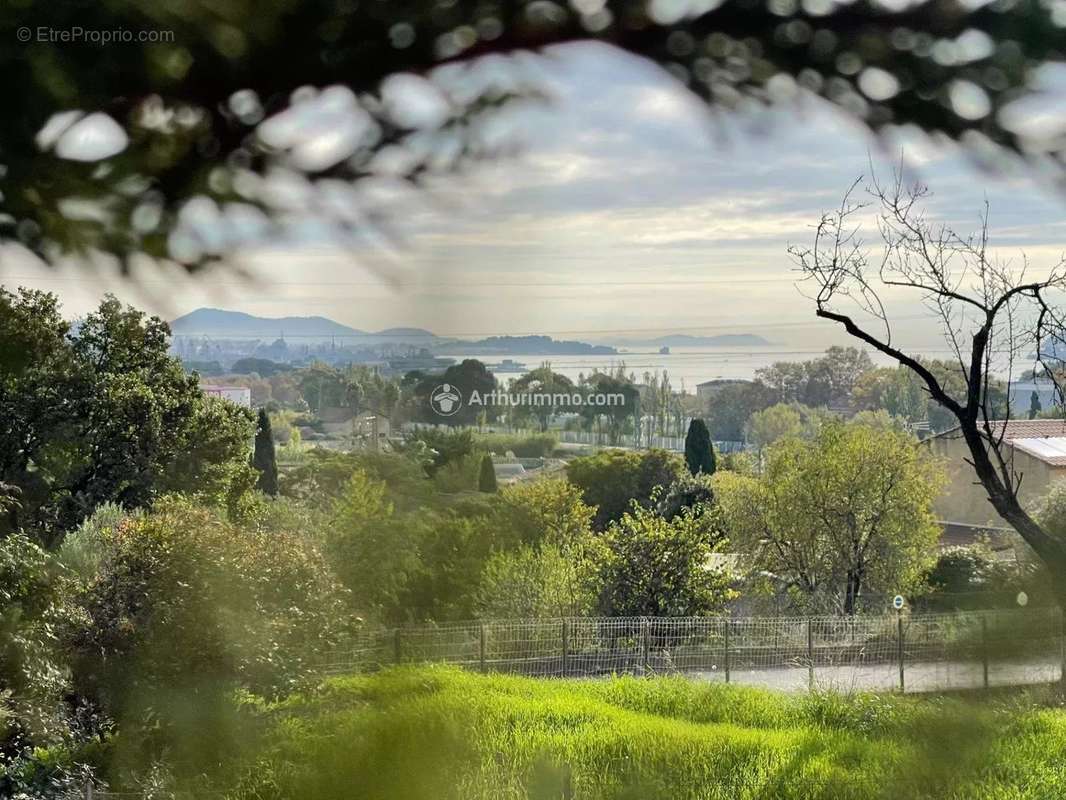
x: 627, y: 211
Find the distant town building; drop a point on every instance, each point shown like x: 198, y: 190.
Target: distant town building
x: 706, y: 391
x: 241, y: 395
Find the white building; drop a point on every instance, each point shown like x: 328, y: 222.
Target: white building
x: 241, y: 395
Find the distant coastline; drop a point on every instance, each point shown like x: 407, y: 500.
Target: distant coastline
x: 222, y: 324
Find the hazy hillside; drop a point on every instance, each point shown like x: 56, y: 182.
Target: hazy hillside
x: 221, y: 323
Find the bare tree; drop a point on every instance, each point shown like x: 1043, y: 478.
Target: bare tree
x: 993, y: 315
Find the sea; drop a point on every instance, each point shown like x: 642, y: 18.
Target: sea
x: 686, y: 366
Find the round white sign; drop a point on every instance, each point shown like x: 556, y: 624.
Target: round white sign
x: 897, y: 602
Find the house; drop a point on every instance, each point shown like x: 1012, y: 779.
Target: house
x: 706, y: 391
x: 371, y: 430
x: 1037, y: 450
x: 241, y: 395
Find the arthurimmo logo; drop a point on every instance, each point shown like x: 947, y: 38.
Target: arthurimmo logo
x: 445, y: 400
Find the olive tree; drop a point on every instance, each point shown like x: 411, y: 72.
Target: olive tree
x: 831, y: 519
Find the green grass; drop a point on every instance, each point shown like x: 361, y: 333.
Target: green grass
x: 444, y: 733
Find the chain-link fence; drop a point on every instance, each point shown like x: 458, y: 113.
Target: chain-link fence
x: 911, y: 652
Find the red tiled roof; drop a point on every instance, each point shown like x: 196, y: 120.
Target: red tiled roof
x: 1024, y: 428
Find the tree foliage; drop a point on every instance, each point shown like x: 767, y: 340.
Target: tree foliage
x: 181, y: 608
x: 544, y: 383
x: 264, y: 459
x: 99, y: 412
x: 651, y: 566
x: 612, y: 480
x: 486, y: 480
x: 545, y: 582
x: 199, y: 116
x: 699, y: 449
x: 850, y: 512
x: 732, y: 406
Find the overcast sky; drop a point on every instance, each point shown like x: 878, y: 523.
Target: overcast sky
x: 629, y: 212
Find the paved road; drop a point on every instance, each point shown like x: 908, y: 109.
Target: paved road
x: 918, y: 677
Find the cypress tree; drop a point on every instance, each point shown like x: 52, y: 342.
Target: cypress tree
x: 699, y: 449
x: 264, y: 458
x: 1035, y: 407
x: 486, y: 480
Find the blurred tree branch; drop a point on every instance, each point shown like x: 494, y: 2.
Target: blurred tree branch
x: 192, y: 104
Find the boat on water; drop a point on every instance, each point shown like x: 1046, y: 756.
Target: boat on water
x: 664, y: 350
x: 508, y: 365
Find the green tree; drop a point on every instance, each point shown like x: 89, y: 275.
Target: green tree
x: 733, y: 405
x: 651, y: 566
x: 699, y: 449
x: 620, y: 413
x: 537, y: 385
x: 612, y: 480
x: 765, y: 427
x: 373, y: 551
x: 100, y: 412
x: 263, y: 367
x: 548, y: 511
x: 471, y: 378
x: 264, y: 459
x: 831, y: 378
x: 543, y: 582
x: 444, y: 446
x: 693, y: 492
x: 486, y: 480
x: 847, y: 513
x: 32, y: 669
x: 781, y: 421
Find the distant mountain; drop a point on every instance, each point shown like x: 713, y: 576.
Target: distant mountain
x: 524, y: 345
x: 220, y: 323
x: 407, y: 332
x: 722, y: 340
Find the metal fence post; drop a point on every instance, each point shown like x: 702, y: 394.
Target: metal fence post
x: 810, y: 656
x: 727, y: 664
x: 481, y: 647
x: 984, y: 647
x: 644, y: 645
x: 566, y: 647
x: 899, y: 646
x: 397, y: 645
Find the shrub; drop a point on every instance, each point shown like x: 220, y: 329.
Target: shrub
x: 539, y: 445
x: 538, y: 583
x: 654, y: 567
x: 184, y: 600
x: 32, y: 677
x: 486, y: 480
x: 614, y: 479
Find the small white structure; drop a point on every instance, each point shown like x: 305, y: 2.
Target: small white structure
x: 240, y: 395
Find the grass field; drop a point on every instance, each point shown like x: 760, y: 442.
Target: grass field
x: 444, y: 733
